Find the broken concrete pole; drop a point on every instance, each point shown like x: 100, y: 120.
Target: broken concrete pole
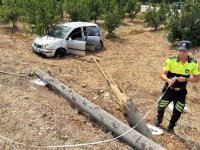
x: 135, y: 119
x: 127, y: 106
x: 133, y: 138
x: 131, y: 112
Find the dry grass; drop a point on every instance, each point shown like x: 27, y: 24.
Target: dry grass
x: 35, y: 115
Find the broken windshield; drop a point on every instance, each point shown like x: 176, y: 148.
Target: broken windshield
x: 59, y: 32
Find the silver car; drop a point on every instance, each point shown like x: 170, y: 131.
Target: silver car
x: 69, y: 38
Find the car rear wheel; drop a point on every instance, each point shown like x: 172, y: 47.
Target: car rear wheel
x: 60, y: 53
x: 99, y: 46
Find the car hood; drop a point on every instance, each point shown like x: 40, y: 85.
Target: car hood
x: 46, y: 40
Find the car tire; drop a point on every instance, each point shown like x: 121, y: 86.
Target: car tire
x: 60, y: 53
x: 99, y: 46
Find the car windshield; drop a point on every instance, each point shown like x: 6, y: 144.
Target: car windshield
x: 59, y: 32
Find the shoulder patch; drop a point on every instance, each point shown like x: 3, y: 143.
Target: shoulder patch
x: 193, y: 60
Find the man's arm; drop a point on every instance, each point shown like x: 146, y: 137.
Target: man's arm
x: 194, y: 79
x: 163, y: 76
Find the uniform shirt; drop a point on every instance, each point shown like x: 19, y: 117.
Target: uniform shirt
x: 176, y: 69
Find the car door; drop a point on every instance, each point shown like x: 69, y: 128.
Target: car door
x: 93, y: 37
x: 76, y: 42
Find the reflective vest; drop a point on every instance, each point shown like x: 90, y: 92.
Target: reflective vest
x: 176, y: 69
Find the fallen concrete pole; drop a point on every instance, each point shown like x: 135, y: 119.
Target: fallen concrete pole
x: 133, y: 138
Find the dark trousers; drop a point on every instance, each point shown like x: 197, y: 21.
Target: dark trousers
x: 178, y: 98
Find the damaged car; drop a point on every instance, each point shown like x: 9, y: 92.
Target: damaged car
x: 69, y: 38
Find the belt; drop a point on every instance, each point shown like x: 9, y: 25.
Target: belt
x: 177, y: 89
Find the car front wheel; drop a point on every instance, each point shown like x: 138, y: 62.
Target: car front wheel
x: 60, y: 53
x: 99, y: 46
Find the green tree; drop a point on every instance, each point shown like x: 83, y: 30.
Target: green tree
x: 78, y: 10
x: 112, y: 17
x: 155, y: 1
x: 190, y: 23
x: 132, y: 8
x: 152, y: 18
x: 95, y: 9
x: 42, y: 15
x: 164, y: 12
x: 155, y: 16
x: 122, y: 8
x: 11, y: 10
x: 186, y: 25
x: 106, y: 6
x: 174, y: 26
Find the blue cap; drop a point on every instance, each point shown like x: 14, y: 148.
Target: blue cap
x: 185, y: 45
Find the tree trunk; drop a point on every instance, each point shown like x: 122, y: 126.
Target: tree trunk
x: 133, y: 138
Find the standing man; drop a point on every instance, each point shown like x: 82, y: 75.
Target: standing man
x: 176, y: 74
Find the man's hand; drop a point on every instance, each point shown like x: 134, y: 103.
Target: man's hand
x: 163, y: 76
x: 181, y: 79
x: 172, y: 81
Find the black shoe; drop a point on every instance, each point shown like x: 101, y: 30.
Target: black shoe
x: 157, y: 122
x: 170, y: 129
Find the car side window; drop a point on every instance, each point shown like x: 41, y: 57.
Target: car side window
x: 76, y: 34
x: 91, y: 31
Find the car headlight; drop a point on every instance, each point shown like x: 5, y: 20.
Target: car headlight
x: 45, y: 46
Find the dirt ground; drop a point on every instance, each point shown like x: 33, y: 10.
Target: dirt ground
x: 35, y: 115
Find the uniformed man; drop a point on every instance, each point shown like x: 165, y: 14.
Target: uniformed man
x: 176, y: 73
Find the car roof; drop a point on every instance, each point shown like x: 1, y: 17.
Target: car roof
x: 79, y: 24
